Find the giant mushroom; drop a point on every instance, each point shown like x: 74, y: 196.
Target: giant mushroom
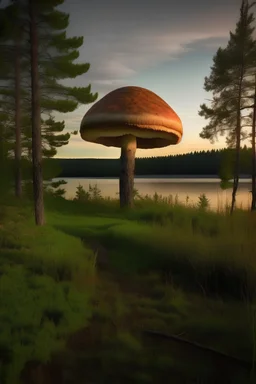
x: 130, y: 118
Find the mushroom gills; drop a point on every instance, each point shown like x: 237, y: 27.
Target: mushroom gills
x: 155, y: 137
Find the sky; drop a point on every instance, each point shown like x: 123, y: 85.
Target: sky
x: 165, y: 46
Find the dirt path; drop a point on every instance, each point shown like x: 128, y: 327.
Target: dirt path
x: 130, y: 306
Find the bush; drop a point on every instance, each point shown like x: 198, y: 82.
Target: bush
x: 203, y: 202
x: 44, y: 250
x: 36, y: 314
x: 81, y: 194
x: 45, y: 286
x: 94, y: 193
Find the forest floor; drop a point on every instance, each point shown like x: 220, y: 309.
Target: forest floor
x: 154, y: 295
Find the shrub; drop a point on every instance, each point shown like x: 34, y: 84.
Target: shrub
x: 36, y: 314
x: 94, y: 193
x: 81, y: 194
x: 203, y: 202
x: 45, y: 285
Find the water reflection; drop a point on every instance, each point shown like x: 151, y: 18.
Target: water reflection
x: 187, y: 189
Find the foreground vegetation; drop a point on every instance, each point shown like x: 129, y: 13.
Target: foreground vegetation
x: 84, y: 297
x: 40, y: 299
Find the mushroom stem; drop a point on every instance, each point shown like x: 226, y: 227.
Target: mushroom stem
x: 126, y: 182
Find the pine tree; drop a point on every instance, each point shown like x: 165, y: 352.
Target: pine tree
x: 57, y: 55
x: 55, y: 62
x: 58, y: 64
x: 18, y: 149
x: 36, y: 116
x: 10, y: 70
x: 229, y: 83
x: 52, y: 137
x: 253, y: 138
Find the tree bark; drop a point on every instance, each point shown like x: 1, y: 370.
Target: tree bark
x: 126, y: 183
x: 36, y: 119
x: 253, y: 205
x: 238, y: 125
x: 236, y: 171
x: 238, y: 145
x: 18, y: 186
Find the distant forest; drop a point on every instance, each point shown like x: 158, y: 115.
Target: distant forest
x: 196, y: 163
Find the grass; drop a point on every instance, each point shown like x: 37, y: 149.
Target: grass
x: 197, y: 248
x: 169, y: 268
x: 41, y: 296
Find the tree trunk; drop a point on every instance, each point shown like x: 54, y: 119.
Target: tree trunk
x: 36, y: 119
x: 2, y: 146
x: 253, y: 205
x: 3, y: 159
x: 236, y: 172
x: 18, y: 187
x: 238, y: 146
x: 126, y: 183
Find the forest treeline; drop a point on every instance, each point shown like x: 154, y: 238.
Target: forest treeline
x: 214, y: 162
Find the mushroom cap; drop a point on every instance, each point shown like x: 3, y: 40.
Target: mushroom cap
x: 132, y: 111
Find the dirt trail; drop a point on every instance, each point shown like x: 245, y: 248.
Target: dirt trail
x: 126, y: 304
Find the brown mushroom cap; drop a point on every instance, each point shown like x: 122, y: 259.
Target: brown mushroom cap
x: 135, y: 111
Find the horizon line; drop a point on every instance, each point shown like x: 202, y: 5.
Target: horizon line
x: 141, y: 157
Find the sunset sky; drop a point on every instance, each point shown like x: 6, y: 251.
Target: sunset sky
x: 162, y: 45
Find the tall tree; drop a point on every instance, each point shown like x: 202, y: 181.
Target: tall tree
x: 56, y: 55
x: 17, y: 55
x: 36, y: 116
x: 253, y: 136
x: 229, y: 83
x: 18, y: 148
x: 10, y: 74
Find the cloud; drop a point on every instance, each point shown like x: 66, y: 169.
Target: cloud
x: 122, y: 39
x: 113, y: 82
x: 116, y: 68
x: 113, y: 65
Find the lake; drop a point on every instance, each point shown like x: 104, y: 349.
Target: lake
x: 165, y: 186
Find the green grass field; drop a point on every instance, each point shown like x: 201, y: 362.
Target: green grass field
x: 80, y: 296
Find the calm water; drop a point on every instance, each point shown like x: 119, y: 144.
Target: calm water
x: 183, y: 187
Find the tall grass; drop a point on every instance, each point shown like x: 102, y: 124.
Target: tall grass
x: 194, y: 250
x: 198, y: 247
x: 94, y: 196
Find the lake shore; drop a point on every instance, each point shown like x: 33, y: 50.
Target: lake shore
x: 185, y: 189
x: 173, y: 176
